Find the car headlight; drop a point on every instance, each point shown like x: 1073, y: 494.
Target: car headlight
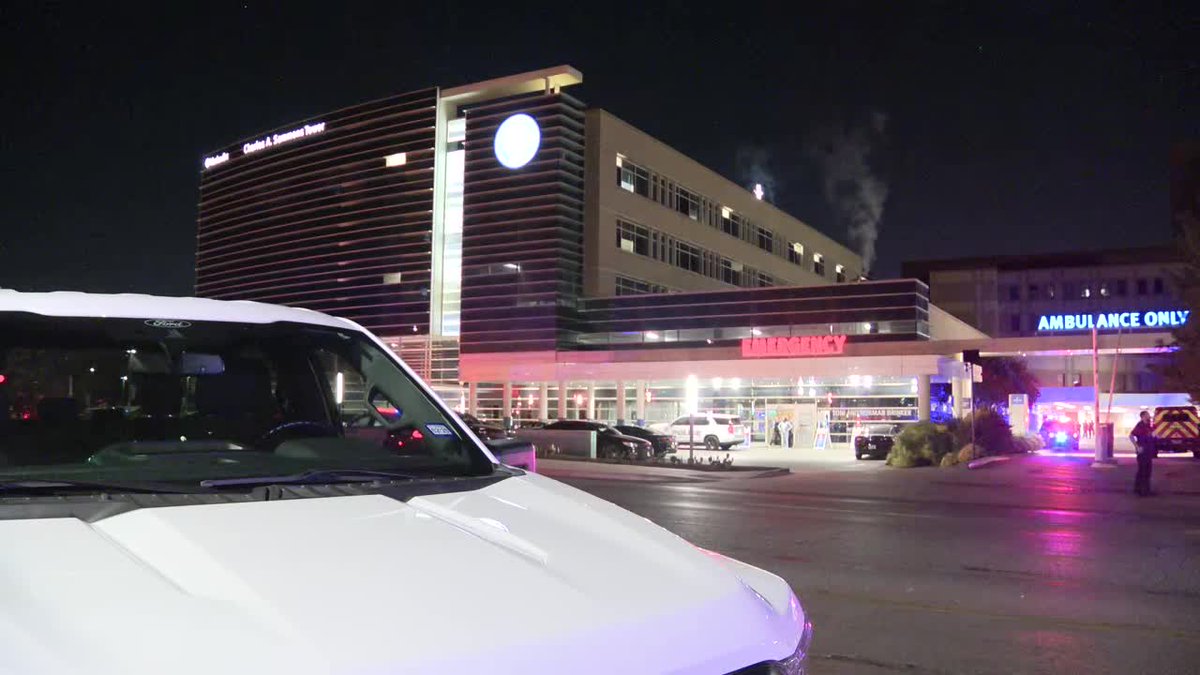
x: 794, y: 664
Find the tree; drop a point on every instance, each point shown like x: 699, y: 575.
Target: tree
x: 1182, y: 371
x: 1004, y: 375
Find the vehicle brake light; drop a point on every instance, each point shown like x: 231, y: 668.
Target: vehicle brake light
x: 2, y: 379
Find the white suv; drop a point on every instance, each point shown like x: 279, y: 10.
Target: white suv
x: 714, y: 432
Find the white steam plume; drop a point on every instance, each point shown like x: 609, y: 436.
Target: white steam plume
x: 854, y: 192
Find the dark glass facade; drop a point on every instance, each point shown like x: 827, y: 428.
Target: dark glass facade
x: 326, y: 220
x: 878, y: 311
x: 523, y: 229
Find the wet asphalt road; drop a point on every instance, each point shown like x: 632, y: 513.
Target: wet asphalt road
x: 1043, y: 565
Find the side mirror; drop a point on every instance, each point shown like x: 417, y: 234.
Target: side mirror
x: 513, y: 452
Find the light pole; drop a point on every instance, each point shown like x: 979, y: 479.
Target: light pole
x: 692, y: 395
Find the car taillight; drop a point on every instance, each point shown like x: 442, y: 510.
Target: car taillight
x: 731, y: 428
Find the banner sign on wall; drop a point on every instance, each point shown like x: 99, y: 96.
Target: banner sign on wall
x: 1113, y: 320
x: 804, y: 345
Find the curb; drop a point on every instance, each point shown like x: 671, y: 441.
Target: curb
x: 984, y: 461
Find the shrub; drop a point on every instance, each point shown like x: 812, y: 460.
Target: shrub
x: 993, y: 435
x: 949, y: 459
x: 968, y: 453
x: 921, y: 444
x: 1024, y: 444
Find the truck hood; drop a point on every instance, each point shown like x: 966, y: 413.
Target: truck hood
x: 525, y: 575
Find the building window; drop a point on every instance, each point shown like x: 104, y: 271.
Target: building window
x: 1050, y: 291
x: 1085, y: 291
x: 731, y: 223
x: 687, y: 203
x: 1104, y: 289
x: 795, y: 253
x: 1121, y: 288
x: 818, y: 264
x: 764, y: 238
x: 633, y: 238
x: 1033, y: 291
x: 1158, y: 286
x: 765, y: 280
x: 1141, y: 287
x: 688, y: 257
x: 731, y: 272
x: 632, y: 177
x: 839, y: 273
x: 1014, y: 323
x: 1014, y: 292
x: 631, y: 286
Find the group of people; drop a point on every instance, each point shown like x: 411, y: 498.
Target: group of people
x: 781, y: 432
x: 1088, y: 429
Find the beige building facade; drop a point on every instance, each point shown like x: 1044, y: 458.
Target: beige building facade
x: 658, y: 221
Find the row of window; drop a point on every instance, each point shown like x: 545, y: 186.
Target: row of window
x: 651, y: 185
x: 631, y: 286
x: 660, y: 246
x: 1116, y: 288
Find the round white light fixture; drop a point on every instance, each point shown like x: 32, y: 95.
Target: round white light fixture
x: 517, y: 140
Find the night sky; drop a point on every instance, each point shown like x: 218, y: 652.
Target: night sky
x: 1020, y: 127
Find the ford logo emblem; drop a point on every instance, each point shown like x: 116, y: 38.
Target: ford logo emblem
x: 167, y: 323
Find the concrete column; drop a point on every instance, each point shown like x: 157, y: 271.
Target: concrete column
x: 473, y: 398
x: 591, y: 401
x: 641, y: 400
x: 544, y: 401
x: 621, y: 401
x: 923, y: 398
x: 506, y: 399
x: 562, y: 400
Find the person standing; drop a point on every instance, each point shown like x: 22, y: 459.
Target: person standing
x: 1143, y: 440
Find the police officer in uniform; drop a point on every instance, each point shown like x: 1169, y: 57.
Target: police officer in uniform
x: 1143, y: 439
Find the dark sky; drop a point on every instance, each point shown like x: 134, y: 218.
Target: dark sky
x: 1019, y: 127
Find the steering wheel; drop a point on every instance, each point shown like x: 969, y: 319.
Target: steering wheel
x: 303, y: 428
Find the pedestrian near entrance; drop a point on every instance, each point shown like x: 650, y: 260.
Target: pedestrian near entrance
x: 775, y: 439
x: 1143, y: 440
x: 785, y: 428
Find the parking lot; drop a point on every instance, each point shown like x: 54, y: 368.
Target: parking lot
x: 1041, y: 564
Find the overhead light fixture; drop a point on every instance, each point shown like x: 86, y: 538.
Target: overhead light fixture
x: 396, y: 159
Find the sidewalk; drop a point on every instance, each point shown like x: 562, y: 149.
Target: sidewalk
x: 566, y: 468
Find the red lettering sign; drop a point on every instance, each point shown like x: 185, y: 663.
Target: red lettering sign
x: 806, y: 345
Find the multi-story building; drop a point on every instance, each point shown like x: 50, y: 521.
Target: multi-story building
x: 532, y: 257
x: 1009, y: 296
x: 477, y: 219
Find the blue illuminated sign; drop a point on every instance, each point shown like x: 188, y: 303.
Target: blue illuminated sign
x: 1113, y: 320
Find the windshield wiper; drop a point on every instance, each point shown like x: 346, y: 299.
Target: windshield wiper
x: 53, y: 486
x: 313, y: 477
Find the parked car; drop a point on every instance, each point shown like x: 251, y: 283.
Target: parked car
x: 714, y: 432
x: 610, y: 443
x: 1060, y: 434
x: 875, y: 440
x: 662, y: 444
x: 488, y: 431
x: 236, y: 520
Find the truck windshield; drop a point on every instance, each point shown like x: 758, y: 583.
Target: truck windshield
x: 106, y: 400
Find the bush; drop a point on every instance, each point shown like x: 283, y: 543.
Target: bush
x: 993, y: 435
x: 1026, y: 444
x: 950, y: 459
x: 921, y: 444
x: 968, y: 453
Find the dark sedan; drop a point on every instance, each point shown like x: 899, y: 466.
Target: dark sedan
x: 486, y: 431
x: 610, y: 443
x: 662, y: 443
x: 875, y: 440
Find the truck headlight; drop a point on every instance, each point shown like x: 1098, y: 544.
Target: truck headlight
x: 794, y: 664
